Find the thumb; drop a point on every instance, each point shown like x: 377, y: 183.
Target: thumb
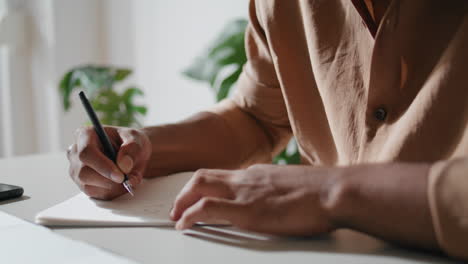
x: 128, y: 154
x: 125, y: 163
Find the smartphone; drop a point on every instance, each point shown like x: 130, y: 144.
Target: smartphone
x: 10, y: 191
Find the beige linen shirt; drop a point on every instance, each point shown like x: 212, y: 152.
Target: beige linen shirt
x: 315, y: 70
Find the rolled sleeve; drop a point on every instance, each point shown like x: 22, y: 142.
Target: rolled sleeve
x: 256, y: 113
x: 448, y: 199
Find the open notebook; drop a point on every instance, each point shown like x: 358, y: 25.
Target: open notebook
x: 149, y: 207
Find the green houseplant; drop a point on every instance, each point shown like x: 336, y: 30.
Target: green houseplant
x: 221, y: 65
x: 99, y: 82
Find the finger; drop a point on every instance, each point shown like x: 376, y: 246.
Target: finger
x: 73, y: 162
x: 210, y: 210
x: 135, y: 178
x: 88, y: 176
x: 90, y: 154
x: 211, y: 183
x: 130, y: 150
x: 92, y: 157
x: 97, y: 192
x: 70, y: 151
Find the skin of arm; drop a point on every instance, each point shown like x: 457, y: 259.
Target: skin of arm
x: 202, y: 141
x: 205, y: 140
x: 388, y: 201
x: 384, y: 200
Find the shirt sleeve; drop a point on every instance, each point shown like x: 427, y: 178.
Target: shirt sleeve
x: 448, y: 199
x: 256, y: 113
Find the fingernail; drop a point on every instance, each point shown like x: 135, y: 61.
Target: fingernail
x: 178, y: 226
x: 126, y: 164
x: 117, y: 176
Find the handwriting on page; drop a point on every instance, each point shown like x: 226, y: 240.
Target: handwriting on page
x: 152, y: 201
x: 150, y: 206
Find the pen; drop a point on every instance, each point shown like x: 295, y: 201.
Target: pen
x: 106, y: 144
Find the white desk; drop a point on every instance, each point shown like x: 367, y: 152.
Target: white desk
x: 46, y: 182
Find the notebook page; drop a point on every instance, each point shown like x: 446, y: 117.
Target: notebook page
x: 149, y: 207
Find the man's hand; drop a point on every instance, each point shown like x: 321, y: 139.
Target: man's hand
x: 387, y: 200
x: 98, y: 176
x: 283, y: 200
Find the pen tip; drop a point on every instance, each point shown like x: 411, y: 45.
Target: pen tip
x: 128, y: 187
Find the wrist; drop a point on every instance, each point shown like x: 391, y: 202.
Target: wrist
x: 339, y: 197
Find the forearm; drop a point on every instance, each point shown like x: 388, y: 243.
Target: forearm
x: 203, y: 140
x: 387, y: 201
x: 228, y: 140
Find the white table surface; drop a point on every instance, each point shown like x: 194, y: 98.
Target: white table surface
x: 46, y: 182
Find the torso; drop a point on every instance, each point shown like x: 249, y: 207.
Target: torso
x: 335, y: 75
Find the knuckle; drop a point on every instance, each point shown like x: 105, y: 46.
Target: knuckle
x: 200, y: 173
x: 132, y: 146
x: 83, y: 175
x: 199, y: 179
x: 186, y: 218
x: 206, y: 204
x: 85, y: 152
x: 83, y: 131
x: 90, y: 191
x: 177, y: 204
x: 133, y: 136
x: 130, y: 133
x: 134, y: 132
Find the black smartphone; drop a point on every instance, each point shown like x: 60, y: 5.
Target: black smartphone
x: 10, y: 191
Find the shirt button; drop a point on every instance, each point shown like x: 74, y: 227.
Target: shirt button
x: 380, y: 114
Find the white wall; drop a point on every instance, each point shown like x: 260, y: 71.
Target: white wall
x: 169, y: 35
x: 156, y: 38
x: 166, y: 36
x: 80, y: 39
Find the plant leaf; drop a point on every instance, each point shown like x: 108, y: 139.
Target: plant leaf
x: 287, y: 156
x: 121, y: 74
x: 128, y: 94
x: 227, y: 84
x: 140, y: 109
x: 91, y: 78
x: 65, y: 89
x: 227, y: 49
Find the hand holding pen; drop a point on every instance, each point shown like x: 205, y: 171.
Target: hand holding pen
x: 102, y: 174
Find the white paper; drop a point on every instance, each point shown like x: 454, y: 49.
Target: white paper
x: 149, y: 207
x: 23, y: 242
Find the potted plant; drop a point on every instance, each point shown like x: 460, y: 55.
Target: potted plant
x: 99, y: 82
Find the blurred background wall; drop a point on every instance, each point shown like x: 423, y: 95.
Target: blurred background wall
x: 41, y: 39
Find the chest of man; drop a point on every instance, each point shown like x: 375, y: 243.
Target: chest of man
x: 357, y: 96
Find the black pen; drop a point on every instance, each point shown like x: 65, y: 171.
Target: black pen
x: 106, y: 144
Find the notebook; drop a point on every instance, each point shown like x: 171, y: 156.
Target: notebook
x: 149, y: 207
